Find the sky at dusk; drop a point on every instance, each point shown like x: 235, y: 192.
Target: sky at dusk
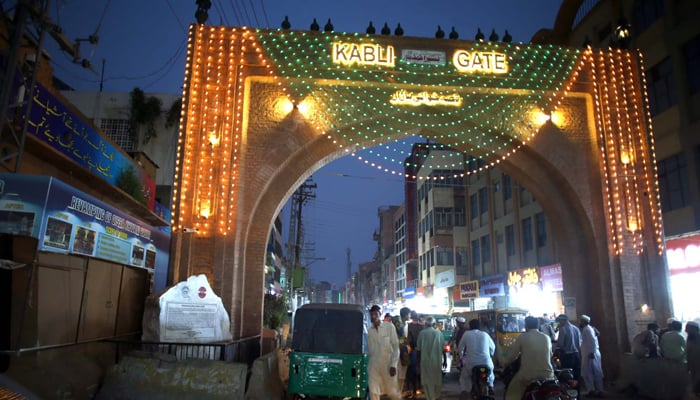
x: 143, y: 44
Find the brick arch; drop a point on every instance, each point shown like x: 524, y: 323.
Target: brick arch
x: 244, y: 149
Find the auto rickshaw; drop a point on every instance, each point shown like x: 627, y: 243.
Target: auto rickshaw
x: 329, y: 352
x: 504, y: 325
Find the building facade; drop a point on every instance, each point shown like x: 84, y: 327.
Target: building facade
x: 667, y: 34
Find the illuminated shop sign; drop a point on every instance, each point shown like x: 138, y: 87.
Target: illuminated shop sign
x: 488, y: 62
x: 523, y: 278
x: 683, y: 254
x: 405, y: 98
x: 363, y: 54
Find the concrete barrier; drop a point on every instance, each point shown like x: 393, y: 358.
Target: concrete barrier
x: 156, y: 376
x: 265, y: 382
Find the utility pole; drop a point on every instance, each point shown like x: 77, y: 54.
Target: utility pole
x: 301, y: 196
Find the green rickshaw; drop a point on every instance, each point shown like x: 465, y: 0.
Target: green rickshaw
x: 329, y: 352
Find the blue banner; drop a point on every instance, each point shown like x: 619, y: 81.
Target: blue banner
x: 490, y: 286
x: 55, y: 124
x: 66, y: 220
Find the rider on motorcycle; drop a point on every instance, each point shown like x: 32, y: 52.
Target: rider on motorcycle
x: 476, y: 348
x: 535, y: 351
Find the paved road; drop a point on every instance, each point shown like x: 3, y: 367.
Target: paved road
x: 451, y: 390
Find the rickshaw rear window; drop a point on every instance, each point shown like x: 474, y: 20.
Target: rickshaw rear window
x: 318, y: 330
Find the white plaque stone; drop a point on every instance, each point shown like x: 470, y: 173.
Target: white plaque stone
x: 188, y: 312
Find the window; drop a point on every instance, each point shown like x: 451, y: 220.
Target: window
x: 662, y: 91
x: 483, y: 200
x: 674, y: 182
x: 476, y: 255
x: 459, y: 217
x: 461, y: 261
x: 486, y: 248
x: 443, y: 217
x: 473, y: 206
x: 541, y: 226
x: 691, y: 53
x: 526, y: 226
x: 510, y: 240
x: 118, y: 131
x: 445, y: 256
x: 646, y: 12
x: 507, y: 187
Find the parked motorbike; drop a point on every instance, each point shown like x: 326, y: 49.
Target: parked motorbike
x: 563, y: 387
x: 480, y: 383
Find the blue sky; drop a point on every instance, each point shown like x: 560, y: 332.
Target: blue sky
x: 143, y: 44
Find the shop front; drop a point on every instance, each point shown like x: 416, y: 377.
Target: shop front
x: 683, y: 257
x: 536, y: 289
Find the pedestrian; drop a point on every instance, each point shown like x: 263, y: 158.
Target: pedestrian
x: 692, y: 329
x: 430, y: 347
x: 535, y: 351
x: 476, y: 348
x: 387, y: 317
x: 568, y: 345
x: 591, y: 365
x: 412, y: 372
x: 673, y: 343
x: 646, y: 344
x: 383, y: 354
x: 546, y: 328
x: 404, y: 356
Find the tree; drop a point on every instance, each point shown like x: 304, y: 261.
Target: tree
x: 144, y: 112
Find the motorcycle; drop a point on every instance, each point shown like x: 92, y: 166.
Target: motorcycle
x: 563, y: 387
x: 480, y: 383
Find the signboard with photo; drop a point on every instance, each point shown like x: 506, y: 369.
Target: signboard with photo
x: 66, y: 220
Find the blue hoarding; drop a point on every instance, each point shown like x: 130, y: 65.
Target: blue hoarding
x: 66, y: 220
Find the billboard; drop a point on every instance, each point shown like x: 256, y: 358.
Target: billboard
x: 67, y: 220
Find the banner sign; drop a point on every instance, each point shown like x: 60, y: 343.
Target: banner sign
x: 409, y: 292
x: 445, y: 279
x: 683, y: 254
x: 551, y: 278
x: 66, y: 220
x: 56, y: 125
x: 490, y: 286
x: 468, y: 290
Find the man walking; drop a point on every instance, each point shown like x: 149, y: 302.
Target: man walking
x: 383, y: 354
x: 477, y: 348
x: 430, y: 346
x: 568, y: 345
x: 535, y: 351
x: 591, y: 366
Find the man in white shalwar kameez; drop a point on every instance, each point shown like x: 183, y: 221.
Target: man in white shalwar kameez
x: 476, y: 348
x: 383, y: 354
x: 430, y: 347
x: 591, y: 366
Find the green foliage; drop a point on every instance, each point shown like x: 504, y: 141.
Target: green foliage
x: 275, y: 311
x: 129, y: 181
x: 173, y: 116
x: 144, y: 111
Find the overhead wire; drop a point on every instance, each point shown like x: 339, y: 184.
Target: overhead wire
x: 235, y: 13
x: 182, y: 25
x: 267, y: 22
x: 220, y: 9
x: 249, y: 22
x: 255, y: 15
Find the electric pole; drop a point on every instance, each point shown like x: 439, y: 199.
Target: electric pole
x: 301, y: 196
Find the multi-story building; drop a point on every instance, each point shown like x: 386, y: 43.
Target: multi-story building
x: 480, y: 229
x: 667, y: 34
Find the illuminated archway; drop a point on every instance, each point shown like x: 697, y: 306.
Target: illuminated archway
x: 265, y: 108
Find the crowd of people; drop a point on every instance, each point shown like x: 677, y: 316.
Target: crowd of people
x: 407, y: 353
x: 672, y: 344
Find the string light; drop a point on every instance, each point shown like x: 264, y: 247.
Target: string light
x: 349, y: 105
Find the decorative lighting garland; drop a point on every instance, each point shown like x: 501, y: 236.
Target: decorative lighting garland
x: 302, y: 58
x: 355, y: 109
